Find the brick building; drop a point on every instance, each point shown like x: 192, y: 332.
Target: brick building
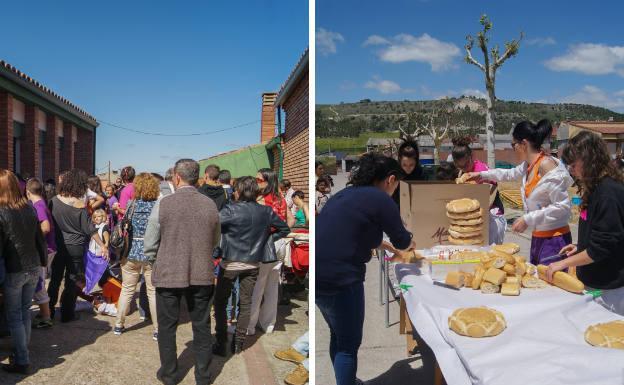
x: 612, y: 133
x: 285, y: 151
x: 41, y: 133
x: 293, y: 100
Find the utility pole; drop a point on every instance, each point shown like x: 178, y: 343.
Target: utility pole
x: 109, y: 178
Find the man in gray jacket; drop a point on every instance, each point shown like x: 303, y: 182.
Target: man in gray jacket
x: 182, y: 231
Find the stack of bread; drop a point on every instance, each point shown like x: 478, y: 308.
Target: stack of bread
x: 503, y: 271
x: 466, y: 218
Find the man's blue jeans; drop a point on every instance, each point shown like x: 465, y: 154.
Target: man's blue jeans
x: 344, y: 313
x: 19, y: 289
x: 302, y: 345
x: 232, y: 304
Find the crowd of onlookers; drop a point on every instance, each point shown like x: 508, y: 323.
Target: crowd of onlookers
x: 179, y: 236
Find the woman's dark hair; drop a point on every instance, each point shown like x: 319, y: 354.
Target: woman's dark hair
x: 299, y: 194
x: 409, y: 149
x: 127, y: 174
x: 535, y: 134
x: 592, y: 151
x: 318, y: 163
x: 94, y: 183
x: 272, y: 187
x: 158, y: 176
x: 447, y: 171
x: 34, y: 186
x: 247, y: 188
x: 461, y: 148
x: 373, y: 168
x: 73, y: 184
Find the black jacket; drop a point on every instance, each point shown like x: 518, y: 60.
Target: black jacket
x: 216, y: 193
x: 248, y: 231
x: 21, y: 241
x: 602, y: 235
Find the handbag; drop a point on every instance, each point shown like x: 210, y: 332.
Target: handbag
x: 121, y: 237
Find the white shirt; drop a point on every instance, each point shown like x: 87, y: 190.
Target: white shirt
x: 93, y: 245
x: 548, y: 207
x: 88, y: 196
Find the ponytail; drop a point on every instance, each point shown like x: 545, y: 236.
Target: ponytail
x: 461, y: 148
x: 535, y: 134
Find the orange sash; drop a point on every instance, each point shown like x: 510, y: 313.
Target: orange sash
x: 533, y: 178
x: 551, y: 233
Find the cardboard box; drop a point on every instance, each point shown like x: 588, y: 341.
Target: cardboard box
x: 423, y: 209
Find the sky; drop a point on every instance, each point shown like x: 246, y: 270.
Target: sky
x: 573, y: 51
x: 159, y: 66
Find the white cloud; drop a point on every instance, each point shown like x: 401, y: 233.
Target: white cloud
x: 474, y: 92
x: 326, y: 41
x: 541, y: 41
x: 425, y: 49
x: 597, y: 97
x: 384, y: 86
x: 590, y: 59
x: 376, y: 40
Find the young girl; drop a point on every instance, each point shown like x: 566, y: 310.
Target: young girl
x: 598, y: 256
x: 463, y: 160
x: 36, y: 195
x: 409, y: 160
x: 323, y: 193
x: 96, y: 260
x: 545, y: 183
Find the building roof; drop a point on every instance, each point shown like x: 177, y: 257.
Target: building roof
x: 294, y: 77
x: 13, y: 74
x: 599, y: 126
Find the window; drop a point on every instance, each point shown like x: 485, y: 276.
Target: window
x: 18, y: 129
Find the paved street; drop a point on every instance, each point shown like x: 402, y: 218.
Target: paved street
x: 86, y: 352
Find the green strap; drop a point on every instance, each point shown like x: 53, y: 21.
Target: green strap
x: 595, y: 293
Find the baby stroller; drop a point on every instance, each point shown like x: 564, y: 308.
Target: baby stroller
x: 294, y: 273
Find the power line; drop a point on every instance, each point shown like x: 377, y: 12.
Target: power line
x: 190, y: 134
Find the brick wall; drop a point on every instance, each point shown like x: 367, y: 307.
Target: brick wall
x: 296, y: 137
x: 84, y: 151
x: 296, y: 109
x: 67, y: 153
x: 50, y: 150
x: 296, y: 161
x: 267, y: 119
x: 6, y: 130
x: 30, y: 143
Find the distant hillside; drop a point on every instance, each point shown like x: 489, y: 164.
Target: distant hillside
x: 352, y: 119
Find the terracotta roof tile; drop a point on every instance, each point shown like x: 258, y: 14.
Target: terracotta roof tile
x: 602, y: 127
x: 45, y: 89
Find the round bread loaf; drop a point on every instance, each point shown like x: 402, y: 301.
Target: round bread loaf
x: 463, y: 205
x: 467, y: 215
x: 465, y: 241
x: 465, y: 229
x: 606, y: 335
x: 477, y: 322
x: 471, y: 234
x: 467, y: 222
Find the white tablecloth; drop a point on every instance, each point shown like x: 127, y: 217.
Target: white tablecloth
x: 542, y: 345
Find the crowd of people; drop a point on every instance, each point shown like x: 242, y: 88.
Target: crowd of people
x: 353, y: 222
x: 178, y: 236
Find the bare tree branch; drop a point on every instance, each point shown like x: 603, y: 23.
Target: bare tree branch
x: 469, y: 58
x: 511, y: 49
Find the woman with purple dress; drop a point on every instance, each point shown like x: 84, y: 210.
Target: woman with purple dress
x: 545, y: 184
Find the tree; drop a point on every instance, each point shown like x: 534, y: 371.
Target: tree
x: 490, y: 64
x: 437, y: 124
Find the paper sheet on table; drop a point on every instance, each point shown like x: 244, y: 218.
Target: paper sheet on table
x: 543, y: 343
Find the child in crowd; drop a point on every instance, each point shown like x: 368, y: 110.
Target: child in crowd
x: 96, y: 261
x: 36, y: 195
x: 323, y: 192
